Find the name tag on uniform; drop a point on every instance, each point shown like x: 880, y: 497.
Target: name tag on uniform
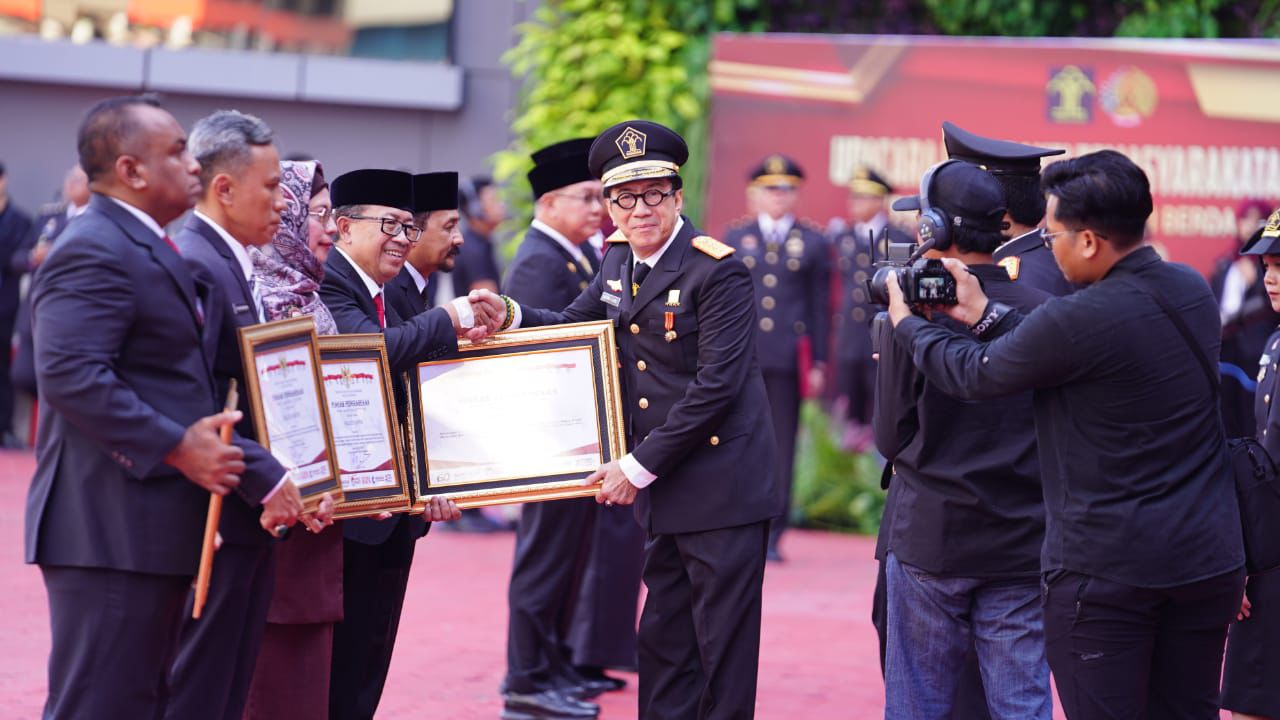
x: 613, y: 300
x: 237, y: 309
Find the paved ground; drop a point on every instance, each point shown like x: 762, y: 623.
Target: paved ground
x: 818, y: 658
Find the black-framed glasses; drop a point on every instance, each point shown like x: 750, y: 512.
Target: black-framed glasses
x: 322, y: 215
x: 652, y: 197
x: 392, y: 227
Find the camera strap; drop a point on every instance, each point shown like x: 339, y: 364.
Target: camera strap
x: 1183, y: 330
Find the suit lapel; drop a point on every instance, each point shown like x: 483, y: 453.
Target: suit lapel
x: 668, y: 269
x: 339, y: 266
x: 219, y: 245
x: 166, y: 256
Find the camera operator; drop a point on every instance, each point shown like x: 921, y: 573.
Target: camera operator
x: 967, y: 521
x: 1142, y: 560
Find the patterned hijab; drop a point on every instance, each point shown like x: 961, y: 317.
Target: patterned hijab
x: 288, y: 275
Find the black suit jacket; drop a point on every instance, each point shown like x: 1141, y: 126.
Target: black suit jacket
x: 403, y: 295
x: 410, y: 340
x: 122, y: 373
x: 696, y: 410
x: 544, y: 274
x: 15, y: 231
x: 201, y: 245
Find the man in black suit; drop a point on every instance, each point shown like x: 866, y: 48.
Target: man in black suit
x: 374, y: 210
x: 239, y: 209
x: 435, y: 211
x: 701, y: 470
x: 791, y: 272
x: 15, y: 228
x: 554, y: 540
x: 128, y: 449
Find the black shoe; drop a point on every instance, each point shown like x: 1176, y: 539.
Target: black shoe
x: 597, y: 674
x: 585, y: 689
x: 545, y: 704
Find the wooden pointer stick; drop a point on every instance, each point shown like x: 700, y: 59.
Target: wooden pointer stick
x: 211, y: 522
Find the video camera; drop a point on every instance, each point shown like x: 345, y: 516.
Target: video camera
x: 924, y: 281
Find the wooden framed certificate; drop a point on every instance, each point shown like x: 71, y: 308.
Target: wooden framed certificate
x: 366, y: 435
x: 521, y: 417
x: 282, y: 375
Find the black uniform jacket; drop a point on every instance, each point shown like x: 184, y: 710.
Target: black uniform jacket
x: 853, y: 307
x: 1132, y: 452
x: 695, y: 406
x: 201, y: 245
x: 1033, y: 264
x: 792, y: 282
x: 544, y: 274
x: 410, y: 340
x: 1264, y: 404
x: 968, y: 499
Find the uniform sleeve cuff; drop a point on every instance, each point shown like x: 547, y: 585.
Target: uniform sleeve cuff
x: 284, y: 479
x: 635, y: 472
x: 466, y: 318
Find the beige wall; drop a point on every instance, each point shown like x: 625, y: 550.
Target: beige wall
x: 364, y: 13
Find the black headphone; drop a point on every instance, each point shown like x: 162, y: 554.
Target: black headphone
x: 934, y: 223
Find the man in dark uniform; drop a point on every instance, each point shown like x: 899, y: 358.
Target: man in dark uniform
x: 554, y: 540
x: 701, y: 470
x: 15, y: 229
x: 374, y: 210
x: 854, y: 370
x: 482, y: 209
x: 240, y: 208
x: 968, y: 513
x: 1017, y: 168
x: 129, y: 448
x: 791, y: 274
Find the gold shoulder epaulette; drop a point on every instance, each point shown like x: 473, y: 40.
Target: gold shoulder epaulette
x: 616, y: 237
x: 712, y: 247
x: 1012, y: 265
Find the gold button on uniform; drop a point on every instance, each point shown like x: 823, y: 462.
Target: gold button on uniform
x: 771, y: 257
x: 793, y: 264
x: 799, y: 328
x: 641, y: 365
x: 1266, y: 398
x: 766, y: 324
x: 749, y: 261
x: 644, y: 403
x: 770, y: 280
x: 715, y: 439
x: 635, y: 329
x: 767, y: 302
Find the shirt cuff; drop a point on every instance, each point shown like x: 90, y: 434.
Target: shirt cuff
x: 466, y: 318
x: 515, y: 321
x: 284, y: 479
x: 635, y: 472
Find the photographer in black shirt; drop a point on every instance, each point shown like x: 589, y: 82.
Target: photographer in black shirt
x: 1142, y: 561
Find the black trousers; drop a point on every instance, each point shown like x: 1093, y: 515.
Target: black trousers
x: 114, y: 635
x: 603, y: 634
x: 971, y: 696
x: 553, y: 542
x: 6, y: 384
x: 700, y: 627
x: 1119, y: 651
x: 1251, y: 673
x: 374, y: 579
x: 217, y: 653
x: 783, y: 390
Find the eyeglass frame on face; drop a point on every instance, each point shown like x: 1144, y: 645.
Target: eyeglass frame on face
x: 635, y: 198
x: 586, y: 198
x: 322, y: 214
x: 1046, y: 238
x: 405, y: 228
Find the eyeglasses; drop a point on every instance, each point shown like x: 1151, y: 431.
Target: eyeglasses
x: 392, y: 227
x: 1047, y: 237
x: 322, y: 214
x: 652, y: 197
x: 584, y: 198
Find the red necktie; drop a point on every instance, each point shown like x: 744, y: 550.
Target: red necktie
x: 172, y: 244
x: 382, y: 314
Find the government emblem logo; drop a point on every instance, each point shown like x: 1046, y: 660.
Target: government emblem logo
x: 631, y: 143
x: 1070, y: 92
x: 1128, y: 96
x: 775, y: 166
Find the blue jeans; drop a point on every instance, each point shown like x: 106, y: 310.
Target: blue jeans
x: 933, y: 621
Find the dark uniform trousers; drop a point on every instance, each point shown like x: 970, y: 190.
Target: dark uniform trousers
x: 699, y: 421
x: 557, y: 557
x: 791, y: 277
x: 377, y: 556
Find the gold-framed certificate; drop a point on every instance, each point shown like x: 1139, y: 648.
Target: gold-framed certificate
x: 282, y: 377
x: 366, y: 434
x: 521, y: 417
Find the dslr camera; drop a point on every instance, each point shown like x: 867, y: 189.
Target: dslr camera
x: 924, y: 281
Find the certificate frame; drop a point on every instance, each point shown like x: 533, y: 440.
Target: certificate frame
x: 597, y: 338
x: 295, y: 337
x: 339, y: 352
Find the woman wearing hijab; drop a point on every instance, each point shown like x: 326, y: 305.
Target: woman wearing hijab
x: 291, y: 678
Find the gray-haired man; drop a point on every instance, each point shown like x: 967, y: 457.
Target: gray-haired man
x: 240, y: 207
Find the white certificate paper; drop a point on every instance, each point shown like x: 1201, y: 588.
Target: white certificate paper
x: 358, y: 414
x: 295, y: 431
x: 510, y: 417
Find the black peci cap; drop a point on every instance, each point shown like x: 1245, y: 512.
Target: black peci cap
x: 1266, y: 241
x: 1000, y: 157
x: 388, y: 188
x: 869, y: 182
x: 777, y: 170
x: 965, y: 193
x: 560, y: 165
x: 636, y: 150
x: 435, y: 191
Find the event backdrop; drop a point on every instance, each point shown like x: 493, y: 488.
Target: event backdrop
x: 1202, y: 118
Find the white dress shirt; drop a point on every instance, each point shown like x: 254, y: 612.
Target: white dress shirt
x: 241, y: 254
